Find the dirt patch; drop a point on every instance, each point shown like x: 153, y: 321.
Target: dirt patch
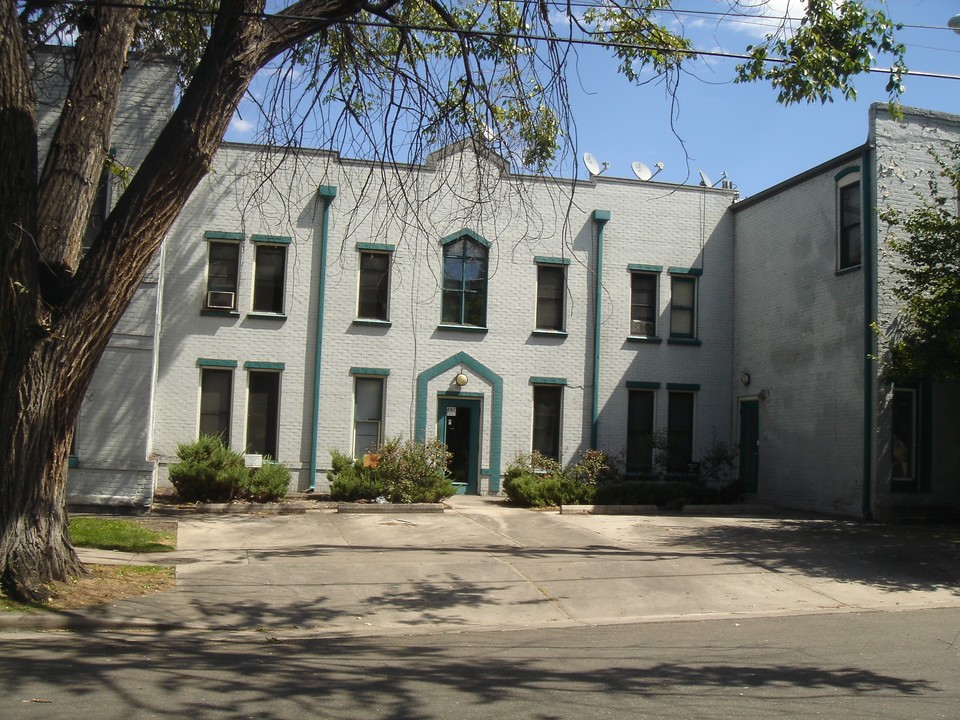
x: 109, y: 583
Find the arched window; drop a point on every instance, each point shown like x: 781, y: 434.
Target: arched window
x: 464, y: 282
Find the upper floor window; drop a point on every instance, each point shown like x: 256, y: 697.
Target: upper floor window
x: 464, y: 282
x: 374, y: 296
x: 551, y: 286
x: 223, y: 270
x: 269, y: 276
x: 683, y: 306
x: 850, y: 235
x: 643, y: 304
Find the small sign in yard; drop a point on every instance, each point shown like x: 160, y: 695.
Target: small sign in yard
x: 253, y: 460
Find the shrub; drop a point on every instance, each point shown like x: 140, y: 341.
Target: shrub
x: 596, y: 467
x: 547, y: 490
x: 267, y: 483
x: 402, y: 471
x: 208, y: 471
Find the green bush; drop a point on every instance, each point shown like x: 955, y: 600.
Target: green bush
x: 532, y: 490
x: 402, y: 471
x: 208, y: 471
x: 267, y: 483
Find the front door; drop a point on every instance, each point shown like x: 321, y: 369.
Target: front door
x: 458, y: 426
x: 750, y: 444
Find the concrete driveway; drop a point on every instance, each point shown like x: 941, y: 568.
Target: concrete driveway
x: 482, y: 564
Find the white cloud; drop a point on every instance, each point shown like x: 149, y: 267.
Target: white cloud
x: 239, y: 126
x: 770, y: 16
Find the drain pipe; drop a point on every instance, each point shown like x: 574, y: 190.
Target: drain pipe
x: 327, y: 193
x: 600, y: 219
x: 869, y: 317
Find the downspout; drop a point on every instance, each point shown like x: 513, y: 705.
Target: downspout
x: 600, y: 218
x: 327, y: 193
x: 869, y: 318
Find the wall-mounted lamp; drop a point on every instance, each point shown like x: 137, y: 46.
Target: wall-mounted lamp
x: 460, y: 379
x: 745, y: 378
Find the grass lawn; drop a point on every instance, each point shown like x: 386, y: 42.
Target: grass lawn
x: 123, y: 535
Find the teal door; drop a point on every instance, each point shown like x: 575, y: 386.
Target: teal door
x: 458, y: 427
x: 750, y: 444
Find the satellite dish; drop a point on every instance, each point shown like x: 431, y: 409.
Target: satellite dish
x: 641, y: 171
x: 954, y: 23
x: 593, y: 167
x: 704, y: 180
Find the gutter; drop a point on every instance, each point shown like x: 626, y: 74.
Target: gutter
x: 327, y: 193
x: 600, y: 218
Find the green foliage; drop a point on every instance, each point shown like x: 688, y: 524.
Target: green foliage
x: 210, y: 472
x: 595, y: 467
x: 531, y: 490
x: 834, y: 43
x: 401, y: 471
x: 122, y: 535
x: 925, y: 343
x: 667, y: 494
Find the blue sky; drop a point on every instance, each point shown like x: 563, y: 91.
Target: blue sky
x: 740, y: 129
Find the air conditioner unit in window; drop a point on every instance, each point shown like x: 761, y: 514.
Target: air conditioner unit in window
x: 220, y: 300
x: 643, y: 328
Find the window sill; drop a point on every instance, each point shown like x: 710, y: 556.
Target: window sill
x: 693, y: 342
x: 848, y: 270
x: 550, y: 333
x: 209, y: 312
x: 649, y: 339
x: 372, y: 322
x: 463, y: 328
x: 267, y: 316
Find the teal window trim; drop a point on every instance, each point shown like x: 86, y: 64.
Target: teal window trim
x: 271, y: 239
x: 258, y: 365
x: 213, y: 362
x: 642, y: 385
x: 462, y: 328
x: 541, y: 380
x: 543, y: 260
x: 549, y: 333
x: 846, y: 171
x: 374, y: 247
x: 267, y: 316
x: 691, y: 342
x: 73, y: 461
x: 684, y: 387
x: 371, y: 322
x: 642, y: 339
x: 640, y: 267
x: 485, y: 472
x: 381, y: 372
x: 466, y: 233
x: 219, y: 235
x: 685, y: 271
x: 848, y: 270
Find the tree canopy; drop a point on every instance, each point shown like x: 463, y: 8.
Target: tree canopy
x: 390, y: 77
x: 925, y: 342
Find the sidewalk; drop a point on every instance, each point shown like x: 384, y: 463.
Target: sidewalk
x: 481, y: 564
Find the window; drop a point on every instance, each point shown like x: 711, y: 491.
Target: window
x: 222, y: 272
x: 905, y: 445
x: 215, y: 394
x: 367, y: 414
x: 643, y: 304
x: 464, y: 283
x: 683, y: 302
x: 640, y: 407
x: 850, y: 239
x: 679, y: 431
x: 268, y: 278
x: 263, y: 411
x: 551, y: 284
x: 547, y: 408
x: 374, y: 286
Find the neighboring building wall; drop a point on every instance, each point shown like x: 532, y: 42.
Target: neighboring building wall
x: 111, y: 465
x: 799, y: 334
x: 904, y: 166
x: 407, y: 212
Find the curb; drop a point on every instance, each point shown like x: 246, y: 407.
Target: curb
x: 711, y: 510
x: 389, y: 508
x: 231, y: 509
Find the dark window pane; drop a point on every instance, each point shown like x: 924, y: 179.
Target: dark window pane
x: 546, y: 419
x: 263, y: 406
x: 367, y: 414
x: 374, y: 286
x: 904, y: 450
x: 850, y: 238
x: 215, y: 391
x: 464, y: 298
x: 640, y: 431
x: 222, y: 275
x: 643, y: 304
x: 268, y: 283
x: 550, y: 289
x: 679, y: 431
x: 682, y: 307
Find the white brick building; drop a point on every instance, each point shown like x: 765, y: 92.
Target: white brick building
x: 305, y: 302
